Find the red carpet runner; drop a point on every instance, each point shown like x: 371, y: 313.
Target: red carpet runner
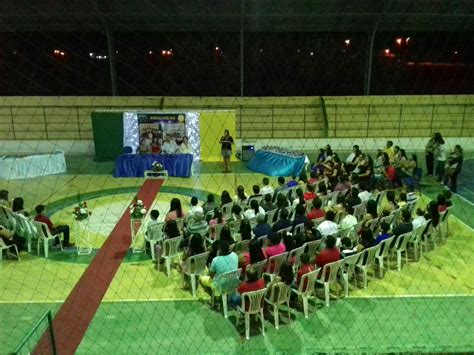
x: 73, y: 318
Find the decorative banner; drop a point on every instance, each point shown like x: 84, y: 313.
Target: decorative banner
x: 145, y: 132
x: 153, y: 128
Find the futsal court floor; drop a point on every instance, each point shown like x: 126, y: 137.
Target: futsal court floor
x: 427, y: 307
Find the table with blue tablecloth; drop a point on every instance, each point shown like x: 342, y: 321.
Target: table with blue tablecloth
x: 134, y: 165
x: 276, y: 164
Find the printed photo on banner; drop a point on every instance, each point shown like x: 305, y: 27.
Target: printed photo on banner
x: 159, y: 131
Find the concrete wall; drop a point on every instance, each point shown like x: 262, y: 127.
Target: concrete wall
x: 42, y: 124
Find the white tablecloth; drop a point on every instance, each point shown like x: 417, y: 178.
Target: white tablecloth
x: 32, y: 166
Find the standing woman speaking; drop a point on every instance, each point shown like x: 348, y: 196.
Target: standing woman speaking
x: 226, y: 149
x: 429, y: 153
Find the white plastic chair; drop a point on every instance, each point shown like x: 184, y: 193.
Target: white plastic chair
x: 254, y: 300
x: 45, y: 236
x: 195, y: 266
x: 295, y: 254
x: 259, y: 267
x: 411, y: 205
x: 353, y: 234
x: 312, y: 248
x: 25, y: 228
x: 305, y: 293
x: 365, y: 261
x: 279, y: 295
x: 215, y: 231
x: 270, y: 216
x: 383, y: 253
x: 242, y: 246
x: 234, y: 226
x: 170, y: 252
x: 263, y: 240
x: 327, y: 276
x: 284, y: 231
x: 401, y: 247
x: 347, y: 270
x: 299, y: 228
x: 180, y: 223
x: 227, y: 210
x: 396, y: 216
x: 154, y: 235
x: 225, y: 284
x: 5, y: 247
x: 359, y: 211
x: 274, y: 264
x: 417, y: 240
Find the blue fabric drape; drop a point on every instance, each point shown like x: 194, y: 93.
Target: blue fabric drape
x: 275, y: 164
x: 133, y: 165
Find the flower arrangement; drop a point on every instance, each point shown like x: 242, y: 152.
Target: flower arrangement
x: 137, y: 209
x: 155, y: 166
x: 81, y: 212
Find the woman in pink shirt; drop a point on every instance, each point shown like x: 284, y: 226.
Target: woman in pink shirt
x: 276, y: 247
x: 176, y: 211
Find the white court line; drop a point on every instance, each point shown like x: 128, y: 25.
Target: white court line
x: 464, y: 199
x: 416, y: 296
x: 200, y: 299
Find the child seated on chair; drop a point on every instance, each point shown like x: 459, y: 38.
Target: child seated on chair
x: 306, y: 267
x: 154, y: 214
x: 347, y: 248
x: 384, y: 233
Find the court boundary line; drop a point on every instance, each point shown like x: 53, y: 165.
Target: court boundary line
x: 449, y: 295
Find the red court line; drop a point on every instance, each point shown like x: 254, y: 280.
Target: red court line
x: 73, y: 318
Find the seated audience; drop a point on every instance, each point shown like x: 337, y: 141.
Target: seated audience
x: 349, y: 220
x: 354, y: 199
x: 390, y: 204
x: 225, y: 198
x: 343, y: 183
x: 253, y: 283
x: 254, y: 255
x: 236, y: 213
x: 283, y: 222
x: 317, y: 211
x: 17, y: 206
x: 328, y: 227
x: 305, y: 268
x: 245, y: 230
x: 176, y: 211
x: 254, y: 209
x: 11, y: 238
x: 171, y: 229
x: 210, y: 204
x: 267, y: 204
x: 195, y: 247
x: 241, y: 196
x: 292, y: 182
x: 55, y: 230
x: 364, y: 195
x: 328, y: 255
x: 298, y: 198
x: 266, y: 188
x: 281, y: 186
x: 402, y: 200
x: 197, y: 225
x: 194, y: 207
x: 218, y: 218
x: 366, y: 239
x: 406, y: 225
x: 276, y: 247
x: 262, y: 228
x: 442, y: 204
x: 384, y: 233
x: 226, y: 261
x: 300, y: 216
x: 4, y: 200
x: 256, y: 191
x: 313, y: 178
x: 347, y: 248
x: 310, y: 194
x: 419, y: 220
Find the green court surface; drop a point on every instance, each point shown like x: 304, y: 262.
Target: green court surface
x: 406, y: 324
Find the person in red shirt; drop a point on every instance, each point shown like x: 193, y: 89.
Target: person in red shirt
x: 328, y: 255
x: 305, y: 268
x: 62, y: 228
x: 253, y: 283
x: 310, y: 194
x: 317, y: 211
